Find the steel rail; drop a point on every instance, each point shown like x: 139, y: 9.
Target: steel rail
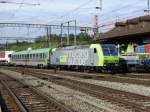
x: 19, y: 106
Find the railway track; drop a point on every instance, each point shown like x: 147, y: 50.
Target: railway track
x: 131, y: 79
x: 137, y: 103
x: 22, y: 98
x: 138, y: 80
x: 138, y: 76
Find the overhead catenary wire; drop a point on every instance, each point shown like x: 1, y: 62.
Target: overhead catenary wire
x: 23, y: 3
x: 72, y: 11
x: 112, y: 11
x: 17, y: 10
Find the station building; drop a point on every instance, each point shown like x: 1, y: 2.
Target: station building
x: 133, y: 35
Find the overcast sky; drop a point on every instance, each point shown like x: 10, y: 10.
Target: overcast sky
x: 57, y: 11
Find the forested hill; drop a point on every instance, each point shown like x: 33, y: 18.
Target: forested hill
x: 42, y: 42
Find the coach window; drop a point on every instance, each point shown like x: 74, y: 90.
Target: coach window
x: 33, y: 56
x: 44, y: 55
x: 23, y: 56
x: 36, y: 56
x: 40, y: 55
x: 30, y: 56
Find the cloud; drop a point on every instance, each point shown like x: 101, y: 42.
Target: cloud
x: 51, y: 11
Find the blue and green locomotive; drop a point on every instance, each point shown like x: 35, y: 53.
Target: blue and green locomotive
x: 95, y: 56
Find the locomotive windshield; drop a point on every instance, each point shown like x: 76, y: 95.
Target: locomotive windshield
x: 109, y: 50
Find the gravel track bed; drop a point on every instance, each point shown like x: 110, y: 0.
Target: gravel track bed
x: 126, y: 78
x: 80, y: 102
x: 132, y: 88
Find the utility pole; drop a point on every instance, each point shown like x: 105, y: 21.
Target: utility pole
x: 6, y: 46
x: 68, y: 40
x: 148, y: 8
x: 96, y: 28
x: 61, y: 35
x: 48, y: 32
x: 75, y: 35
x: 49, y: 37
x: 46, y: 40
x: 101, y: 5
x: 68, y: 25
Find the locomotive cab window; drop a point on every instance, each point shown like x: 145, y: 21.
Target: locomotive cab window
x: 109, y: 50
x: 95, y: 50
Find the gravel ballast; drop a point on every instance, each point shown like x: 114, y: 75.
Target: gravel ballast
x: 132, y: 88
x: 78, y: 101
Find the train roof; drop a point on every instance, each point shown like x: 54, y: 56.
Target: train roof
x: 73, y: 47
x: 33, y: 51
x: 83, y: 46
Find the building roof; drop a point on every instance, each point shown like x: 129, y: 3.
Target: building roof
x: 139, y: 25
